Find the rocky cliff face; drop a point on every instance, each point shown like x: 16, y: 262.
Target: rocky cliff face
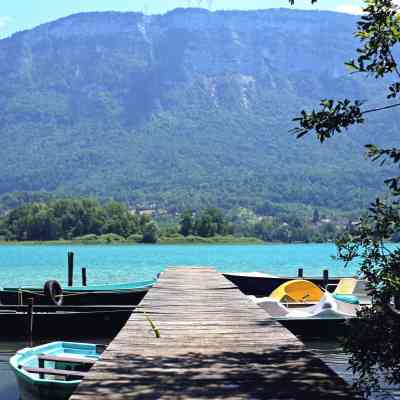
x: 129, y: 54
x: 167, y: 107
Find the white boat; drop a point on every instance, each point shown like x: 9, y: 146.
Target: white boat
x: 326, y: 318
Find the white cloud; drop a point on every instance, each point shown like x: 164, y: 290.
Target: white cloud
x: 4, y: 21
x: 349, y: 9
x: 353, y: 9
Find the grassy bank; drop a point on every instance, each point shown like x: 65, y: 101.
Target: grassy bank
x: 119, y: 240
x: 178, y: 239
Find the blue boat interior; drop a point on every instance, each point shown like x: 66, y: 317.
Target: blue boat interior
x: 347, y: 298
x: 29, y: 358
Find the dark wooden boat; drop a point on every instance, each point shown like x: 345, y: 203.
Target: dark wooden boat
x: 259, y: 284
x: 318, y: 329
x: 130, y: 293
x: 63, y: 321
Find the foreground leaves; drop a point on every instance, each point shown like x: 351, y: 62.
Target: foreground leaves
x: 373, y: 341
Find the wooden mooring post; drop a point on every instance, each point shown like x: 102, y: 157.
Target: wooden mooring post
x: 30, y: 321
x: 196, y: 336
x: 325, y: 276
x: 300, y: 273
x: 84, y: 277
x: 70, y: 268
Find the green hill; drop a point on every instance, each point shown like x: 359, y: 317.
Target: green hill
x: 190, y: 108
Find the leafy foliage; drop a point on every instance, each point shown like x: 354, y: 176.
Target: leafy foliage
x: 378, y: 30
x: 331, y: 119
x: 287, y: 227
x: 209, y: 223
x: 88, y: 221
x: 373, y: 342
x: 71, y: 218
x: 151, y: 232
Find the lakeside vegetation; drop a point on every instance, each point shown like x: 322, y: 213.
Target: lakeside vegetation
x: 81, y: 219
x: 87, y: 221
x: 119, y: 240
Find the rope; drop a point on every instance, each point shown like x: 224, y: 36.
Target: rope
x: 67, y: 293
x: 155, y: 330
x: 83, y: 293
x: 66, y: 312
x: 22, y: 291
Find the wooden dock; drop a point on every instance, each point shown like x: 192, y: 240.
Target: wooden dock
x: 214, y: 344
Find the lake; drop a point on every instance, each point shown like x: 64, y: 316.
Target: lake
x: 25, y: 265
x: 34, y: 264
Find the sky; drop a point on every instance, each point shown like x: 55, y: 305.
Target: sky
x: 17, y: 15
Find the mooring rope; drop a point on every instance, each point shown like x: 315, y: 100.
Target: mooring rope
x: 67, y: 293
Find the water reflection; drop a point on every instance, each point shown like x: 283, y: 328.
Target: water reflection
x: 332, y: 354
x: 8, y: 384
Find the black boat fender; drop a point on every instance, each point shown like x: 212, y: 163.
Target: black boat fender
x: 53, y: 291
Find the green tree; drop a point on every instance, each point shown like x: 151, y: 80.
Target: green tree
x: 151, y: 232
x: 210, y: 222
x: 69, y: 218
x: 373, y: 342
x: 119, y: 220
x: 186, y: 223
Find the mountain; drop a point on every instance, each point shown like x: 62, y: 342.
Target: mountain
x: 190, y: 108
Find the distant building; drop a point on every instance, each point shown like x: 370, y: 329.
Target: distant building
x: 151, y: 211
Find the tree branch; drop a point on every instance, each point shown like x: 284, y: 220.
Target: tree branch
x: 380, y: 108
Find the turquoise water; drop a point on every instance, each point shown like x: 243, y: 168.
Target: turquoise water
x: 33, y: 265
x: 22, y: 265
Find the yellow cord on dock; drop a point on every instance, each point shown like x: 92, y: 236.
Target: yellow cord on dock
x: 153, y: 326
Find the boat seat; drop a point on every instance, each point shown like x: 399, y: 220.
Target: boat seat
x: 346, y: 286
x: 297, y: 290
x: 46, y: 357
x: 273, y: 307
x: 53, y: 371
x: 353, y: 287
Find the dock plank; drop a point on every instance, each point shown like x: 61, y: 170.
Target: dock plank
x: 214, y: 344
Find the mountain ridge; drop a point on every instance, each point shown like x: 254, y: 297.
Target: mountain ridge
x: 189, y: 108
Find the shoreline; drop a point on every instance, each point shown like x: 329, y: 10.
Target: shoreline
x: 163, y: 241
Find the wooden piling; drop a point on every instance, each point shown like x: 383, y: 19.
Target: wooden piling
x: 70, y: 268
x: 325, y: 278
x: 30, y: 321
x: 300, y: 273
x: 84, y: 277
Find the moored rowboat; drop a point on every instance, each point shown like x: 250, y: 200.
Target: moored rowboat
x: 130, y: 293
x: 63, y: 321
x: 260, y: 284
x: 52, y: 371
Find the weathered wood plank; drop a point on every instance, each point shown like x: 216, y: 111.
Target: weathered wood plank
x: 214, y: 344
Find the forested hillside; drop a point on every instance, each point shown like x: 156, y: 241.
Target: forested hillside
x: 190, y: 108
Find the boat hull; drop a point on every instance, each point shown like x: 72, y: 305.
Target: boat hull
x: 43, y: 372
x: 317, y: 328
x: 43, y: 390
x: 134, y: 297
x: 261, y: 286
x: 63, y: 324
